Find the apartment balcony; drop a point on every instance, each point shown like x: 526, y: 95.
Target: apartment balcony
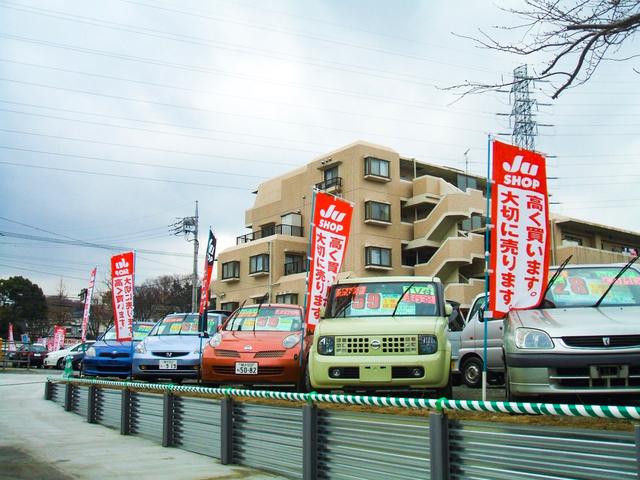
x: 330, y: 185
x: 584, y: 255
x: 281, y: 229
x: 297, y: 266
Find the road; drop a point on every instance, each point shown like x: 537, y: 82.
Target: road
x: 39, y: 440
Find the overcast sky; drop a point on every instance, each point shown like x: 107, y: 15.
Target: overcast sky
x: 116, y: 116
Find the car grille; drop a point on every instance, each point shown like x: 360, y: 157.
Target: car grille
x: 401, y: 344
x: 114, y: 355
x: 231, y: 370
x: 170, y: 354
x: 113, y: 368
x: 226, y: 353
x: 580, y: 377
x: 269, y: 354
x: 615, y: 341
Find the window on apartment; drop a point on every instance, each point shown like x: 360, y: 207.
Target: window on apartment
x: 570, y: 240
x: 294, y: 263
x: 330, y: 174
x: 378, y: 256
x: 474, y: 223
x: 376, y: 166
x: 259, y: 263
x: 291, y: 298
x: 377, y: 211
x: 230, y: 306
x: 464, y: 182
x: 230, y: 270
x: 267, y: 230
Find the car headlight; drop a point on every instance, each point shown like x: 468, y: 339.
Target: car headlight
x: 427, y: 344
x: 291, y: 341
x: 91, y: 352
x: 140, y: 348
x: 326, y: 345
x: 216, y: 340
x: 532, y: 338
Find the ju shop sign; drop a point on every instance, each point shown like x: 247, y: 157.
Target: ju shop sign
x: 329, y: 237
x: 519, y: 251
x: 122, y: 275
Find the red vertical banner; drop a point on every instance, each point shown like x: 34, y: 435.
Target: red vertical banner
x: 519, y: 251
x: 122, y: 271
x: 330, y: 234
x: 206, y: 277
x: 87, y: 305
x: 12, y: 343
x: 58, y: 337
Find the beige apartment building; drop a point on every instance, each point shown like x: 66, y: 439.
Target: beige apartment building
x: 410, y: 218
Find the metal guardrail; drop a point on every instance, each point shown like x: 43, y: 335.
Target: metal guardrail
x: 311, y: 443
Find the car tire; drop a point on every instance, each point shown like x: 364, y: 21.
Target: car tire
x: 60, y: 363
x: 306, y: 383
x: 472, y: 372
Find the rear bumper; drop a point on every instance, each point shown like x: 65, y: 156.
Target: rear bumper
x: 283, y: 370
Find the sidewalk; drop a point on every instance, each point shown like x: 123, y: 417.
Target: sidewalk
x: 39, y: 440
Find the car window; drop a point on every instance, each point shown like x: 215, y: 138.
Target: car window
x: 275, y: 319
x: 139, y: 332
x: 476, y: 306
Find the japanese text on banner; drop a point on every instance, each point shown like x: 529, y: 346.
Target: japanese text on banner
x: 122, y: 271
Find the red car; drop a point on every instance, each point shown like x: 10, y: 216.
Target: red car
x: 31, y: 355
x: 258, y: 344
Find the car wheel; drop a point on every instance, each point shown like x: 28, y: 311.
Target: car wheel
x: 306, y: 384
x: 472, y: 372
x: 60, y: 364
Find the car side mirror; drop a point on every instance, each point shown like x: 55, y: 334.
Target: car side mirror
x: 323, y: 311
x: 448, y: 309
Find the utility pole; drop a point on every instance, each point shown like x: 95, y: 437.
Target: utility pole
x: 189, y: 226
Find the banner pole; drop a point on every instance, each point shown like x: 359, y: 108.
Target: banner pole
x: 306, y: 277
x: 133, y: 311
x: 487, y: 236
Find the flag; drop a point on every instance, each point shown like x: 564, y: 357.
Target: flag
x: 12, y: 343
x: 206, y: 280
x: 329, y: 237
x: 122, y: 278
x: 87, y: 304
x: 58, y: 337
x: 519, y: 251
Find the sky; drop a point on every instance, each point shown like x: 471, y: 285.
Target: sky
x: 117, y: 116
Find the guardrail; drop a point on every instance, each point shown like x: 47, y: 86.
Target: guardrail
x: 315, y: 443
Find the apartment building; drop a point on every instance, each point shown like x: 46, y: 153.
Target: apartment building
x: 410, y: 218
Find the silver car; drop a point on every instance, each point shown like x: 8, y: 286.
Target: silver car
x: 585, y: 338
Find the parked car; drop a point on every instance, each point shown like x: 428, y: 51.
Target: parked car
x: 110, y: 358
x: 258, y: 344
x: 383, y: 333
x: 173, y: 347
x: 56, y: 359
x: 584, y: 339
x: 31, y: 355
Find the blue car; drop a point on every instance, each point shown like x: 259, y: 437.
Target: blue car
x: 173, y: 348
x: 110, y: 358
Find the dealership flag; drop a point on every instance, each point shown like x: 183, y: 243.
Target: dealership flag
x: 519, y: 258
x: 206, y: 278
x: 329, y: 237
x: 87, y: 305
x: 12, y: 343
x: 58, y: 337
x: 122, y: 271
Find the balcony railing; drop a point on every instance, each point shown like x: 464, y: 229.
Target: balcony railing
x: 282, y: 229
x: 335, y: 182
x: 297, y: 266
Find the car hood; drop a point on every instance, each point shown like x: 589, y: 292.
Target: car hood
x: 113, y: 346
x: 165, y: 343
x: 258, y: 341
x: 379, y: 325
x: 587, y: 321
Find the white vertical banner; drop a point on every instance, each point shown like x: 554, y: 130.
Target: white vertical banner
x: 87, y: 304
x: 122, y: 271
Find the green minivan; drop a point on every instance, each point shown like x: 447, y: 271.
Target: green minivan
x: 380, y: 333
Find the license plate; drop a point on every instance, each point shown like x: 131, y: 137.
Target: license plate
x: 168, y: 364
x: 246, y: 368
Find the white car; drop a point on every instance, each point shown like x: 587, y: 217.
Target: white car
x: 56, y: 359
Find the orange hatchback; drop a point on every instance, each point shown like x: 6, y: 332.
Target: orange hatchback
x: 258, y: 344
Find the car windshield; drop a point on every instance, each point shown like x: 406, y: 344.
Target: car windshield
x: 140, y: 330
x: 266, y: 318
x: 583, y: 286
x: 185, y: 324
x: 379, y: 299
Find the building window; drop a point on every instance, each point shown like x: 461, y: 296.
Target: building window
x: 330, y: 174
x: 378, y: 256
x: 230, y: 270
x: 376, y: 166
x: 377, y: 211
x: 570, y: 240
x: 229, y: 306
x: 267, y: 230
x: 291, y: 298
x: 294, y: 263
x: 259, y: 263
x: 465, y: 181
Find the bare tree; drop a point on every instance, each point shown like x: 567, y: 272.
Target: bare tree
x: 573, y: 37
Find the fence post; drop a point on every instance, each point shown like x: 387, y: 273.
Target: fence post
x: 167, y: 419
x: 637, y: 434
x: 68, y: 397
x: 226, y: 431
x: 92, y: 393
x: 48, y: 390
x: 309, y: 442
x: 125, y: 412
x: 439, y: 445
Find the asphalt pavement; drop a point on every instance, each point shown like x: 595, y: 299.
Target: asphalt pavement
x: 39, y: 440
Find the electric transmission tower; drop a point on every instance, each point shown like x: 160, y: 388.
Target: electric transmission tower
x: 189, y: 226
x: 525, y: 127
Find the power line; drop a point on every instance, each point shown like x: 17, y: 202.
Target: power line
x: 21, y: 269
